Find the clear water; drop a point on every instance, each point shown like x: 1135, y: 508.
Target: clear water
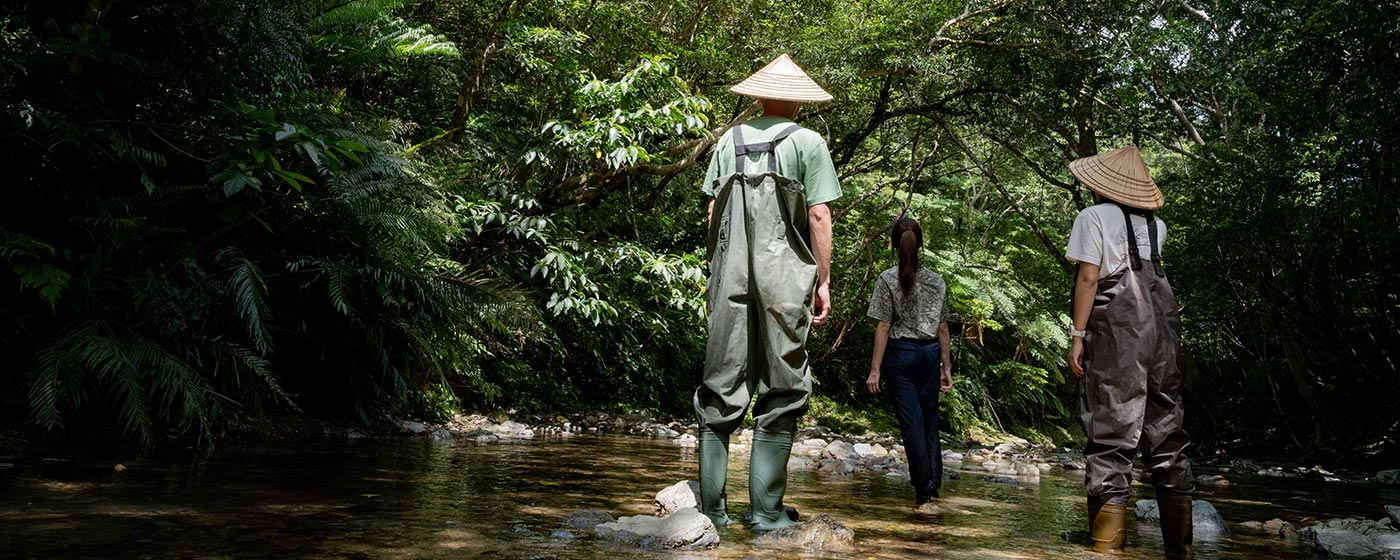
x: 378, y: 498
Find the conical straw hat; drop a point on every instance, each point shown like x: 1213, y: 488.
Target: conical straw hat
x: 1120, y: 176
x: 781, y: 80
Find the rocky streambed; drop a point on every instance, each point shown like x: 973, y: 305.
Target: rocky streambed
x: 1012, y: 462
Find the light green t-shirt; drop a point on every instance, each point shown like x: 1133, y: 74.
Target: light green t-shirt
x: 802, y: 157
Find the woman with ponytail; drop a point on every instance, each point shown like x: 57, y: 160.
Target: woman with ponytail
x: 911, y: 348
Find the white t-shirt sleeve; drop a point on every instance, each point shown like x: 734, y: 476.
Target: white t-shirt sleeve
x: 1086, y: 239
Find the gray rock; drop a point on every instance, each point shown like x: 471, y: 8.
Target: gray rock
x: 664, y: 432
x: 929, y: 508
x: 1341, y: 543
x: 1279, y: 528
x: 481, y: 435
x: 820, y: 535
x: 832, y: 465
x: 441, y: 434
x: 588, y: 519
x: 1394, y: 512
x: 1212, y: 480
x: 800, y: 463
x: 1206, y: 523
x: 511, y: 429
x: 1389, y: 540
x: 686, y: 440
x: 1254, y: 527
x: 686, y: 529
x: 1388, y: 478
x: 840, y: 450
x: 952, y: 457
x: 1074, y: 465
x: 415, y: 427
x: 863, y: 449
x: 683, y: 494
x: 562, y: 534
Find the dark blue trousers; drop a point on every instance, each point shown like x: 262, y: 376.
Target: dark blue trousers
x: 910, y: 369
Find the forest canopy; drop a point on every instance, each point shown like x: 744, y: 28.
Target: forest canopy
x: 222, y: 210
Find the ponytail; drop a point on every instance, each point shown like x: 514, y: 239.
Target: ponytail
x: 906, y: 237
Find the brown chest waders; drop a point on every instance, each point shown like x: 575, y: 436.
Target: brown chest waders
x: 1130, y: 397
x: 760, y: 291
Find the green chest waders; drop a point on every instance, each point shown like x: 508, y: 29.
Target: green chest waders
x: 760, y: 291
x: 1130, y: 396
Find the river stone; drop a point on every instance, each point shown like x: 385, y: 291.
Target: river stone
x: 929, y: 508
x: 664, y: 432
x: 832, y: 465
x: 1340, y: 543
x: 1388, y: 478
x: 1212, y: 480
x: 1206, y: 523
x: 800, y: 463
x: 840, y: 450
x: 511, y: 429
x: 686, y: 440
x: 952, y: 457
x: 683, y: 494
x: 1394, y: 512
x: 587, y: 520
x: 879, y: 451
x: 441, y: 434
x: 1389, y: 540
x: 1004, y: 449
x: 686, y: 529
x: 411, y: 426
x: 819, y: 535
x: 1028, y: 472
x: 1254, y: 527
x: 1279, y: 528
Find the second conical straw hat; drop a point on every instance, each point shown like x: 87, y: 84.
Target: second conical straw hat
x: 1120, y: 176
x: 781, y: 80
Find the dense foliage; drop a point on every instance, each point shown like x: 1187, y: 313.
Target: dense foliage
x: 221, y: 210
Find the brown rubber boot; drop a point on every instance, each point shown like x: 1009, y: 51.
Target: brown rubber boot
x: 1176, y: 524
x: 1108, y: 525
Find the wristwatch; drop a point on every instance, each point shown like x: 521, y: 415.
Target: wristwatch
x: 1075, y: 332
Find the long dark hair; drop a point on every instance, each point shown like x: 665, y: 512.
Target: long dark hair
x: 906, y: 238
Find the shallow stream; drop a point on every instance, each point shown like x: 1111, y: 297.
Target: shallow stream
x: 414, y: 498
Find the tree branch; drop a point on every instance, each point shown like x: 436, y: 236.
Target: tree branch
x: 590, y: 183
x: 1050, y: 246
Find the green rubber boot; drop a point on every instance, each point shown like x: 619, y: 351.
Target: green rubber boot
x: 714, y: 465
x: 768, y: 482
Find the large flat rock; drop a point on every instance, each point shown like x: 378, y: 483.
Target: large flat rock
x: 821, y: 534
x: 1206, y: 523
x: 686, y: 529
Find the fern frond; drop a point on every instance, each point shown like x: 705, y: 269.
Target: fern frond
x: 249, y: 292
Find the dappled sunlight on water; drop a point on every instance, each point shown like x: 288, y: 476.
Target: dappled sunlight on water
x: 419, y: 499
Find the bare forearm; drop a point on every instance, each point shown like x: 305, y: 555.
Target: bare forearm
x: 819, y: 224
x: 945, y: 343
x: 882, y: 335
x: 1085, y: 288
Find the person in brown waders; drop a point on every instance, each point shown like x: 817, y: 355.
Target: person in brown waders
x: 1124, y: 342
x: 770, y: 255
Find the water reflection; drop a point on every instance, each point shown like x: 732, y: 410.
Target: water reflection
x: 420, y: 499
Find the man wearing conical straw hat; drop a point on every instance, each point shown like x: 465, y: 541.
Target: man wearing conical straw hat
x: 1124, y: 340
x: 770, y: 255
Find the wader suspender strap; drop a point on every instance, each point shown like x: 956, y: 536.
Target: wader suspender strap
x: 1133, y: 256
x: 742, y: 150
